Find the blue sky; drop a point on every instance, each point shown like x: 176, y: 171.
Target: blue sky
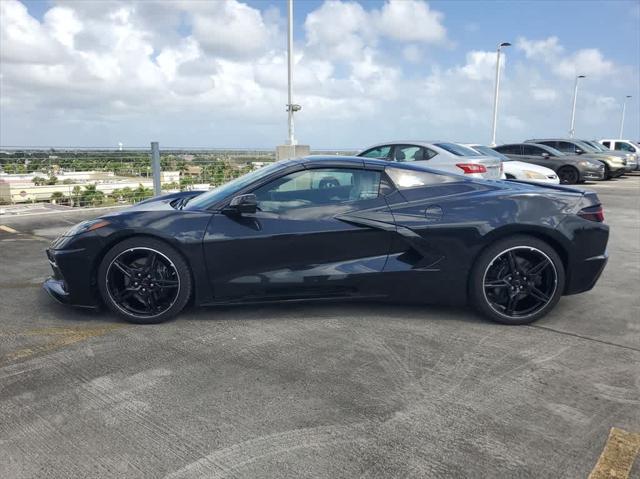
x: 214, y: 75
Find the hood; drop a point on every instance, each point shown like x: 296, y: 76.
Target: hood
x: 159, y: 203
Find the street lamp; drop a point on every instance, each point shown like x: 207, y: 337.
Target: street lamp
x: 291, y: 107
x: 497, y: 92
x: 572, y: 130
x: 624, y: 107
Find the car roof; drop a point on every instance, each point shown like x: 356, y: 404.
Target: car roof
x: 409, y: 142
x: 359, y: 161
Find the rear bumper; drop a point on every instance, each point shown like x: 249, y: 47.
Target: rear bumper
x: 584, y: 275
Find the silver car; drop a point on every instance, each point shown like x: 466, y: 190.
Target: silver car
x: 439, y: 155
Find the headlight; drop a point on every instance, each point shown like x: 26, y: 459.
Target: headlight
x: 586, y: 163
x: 86, y: 226
x: 534, y: 175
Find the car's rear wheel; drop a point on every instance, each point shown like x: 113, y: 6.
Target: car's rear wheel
x: 568, y: 175
x: 517, y: 280
x: 144, y: 280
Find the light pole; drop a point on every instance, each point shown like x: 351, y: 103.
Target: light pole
x: 624, y: 107
x: 291, y: 108
x: 496, y: 93
x: 572, y: 130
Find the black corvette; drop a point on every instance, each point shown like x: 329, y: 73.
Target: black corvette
x: 338, y: 227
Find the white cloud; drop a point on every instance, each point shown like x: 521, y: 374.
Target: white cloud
x: 214, y: 73
x: 588, y: 62
x: 547, y: 48
x: 410, y: 21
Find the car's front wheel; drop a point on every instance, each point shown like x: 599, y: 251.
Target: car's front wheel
x: 568, y: 175
x: 517, y: 280
x: 144, y: 280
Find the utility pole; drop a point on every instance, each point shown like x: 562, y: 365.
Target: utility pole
x: 496, y: 93
x: 572, y: 130
x: 624, y: 107
x: 291, y: 139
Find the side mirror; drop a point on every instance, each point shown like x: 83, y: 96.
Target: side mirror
x: 242, y: 204
x: 579, y: 151
x: 545, y: 155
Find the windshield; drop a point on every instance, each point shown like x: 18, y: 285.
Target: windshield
x: 457, y: 150
x: 485, y: 150
x: 597, y: 145
x: 210, y: 197
x: 586, y: 147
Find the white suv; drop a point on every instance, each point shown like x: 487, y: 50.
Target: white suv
x: 625, y: 146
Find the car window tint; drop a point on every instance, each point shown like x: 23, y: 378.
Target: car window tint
x: 316, y: 187
x: 532, y: 150
x: 408, y: 153
x: 509, y: 149
x: 404, y: 179
x: 607, y: 144
x: 621, y: 146
x: 379, y: 152
x: 564, y: 146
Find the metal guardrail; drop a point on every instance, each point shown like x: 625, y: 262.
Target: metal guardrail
x: 83, y: 177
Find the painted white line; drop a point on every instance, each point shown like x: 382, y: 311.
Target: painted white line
x: 8, y: 229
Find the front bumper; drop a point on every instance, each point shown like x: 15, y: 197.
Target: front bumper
x: 71, y: 282
x: 593, y: 174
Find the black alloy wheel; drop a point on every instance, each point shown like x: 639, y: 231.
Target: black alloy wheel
x: 517, y: 280
x: 144, y: 280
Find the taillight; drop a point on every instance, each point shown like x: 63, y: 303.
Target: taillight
x: 592, y: 213
x: 470, y: 168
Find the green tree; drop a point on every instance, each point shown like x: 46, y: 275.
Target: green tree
x: 38, y: 180
x: 57, y: 197
x: 91, y: 196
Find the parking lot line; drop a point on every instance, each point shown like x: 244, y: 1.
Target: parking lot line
x: 7, y: 229
x: 58, y: 338
x: 619, y: 453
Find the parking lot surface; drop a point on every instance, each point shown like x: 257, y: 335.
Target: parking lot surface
x: 316, y: 390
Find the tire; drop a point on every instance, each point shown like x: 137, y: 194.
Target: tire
x: 607, y: 172
x: 568, y: 175
x: 144, y: 280
x: 488, y: 289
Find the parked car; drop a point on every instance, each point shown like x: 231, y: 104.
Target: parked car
x: 519, y: 170
x: 613, y: 165
x: 631, y: 158
x: 339, y: 227
x: 440, y: 155
x: 571, y: 169
x: 625, y: 146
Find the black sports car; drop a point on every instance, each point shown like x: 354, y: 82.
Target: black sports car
x: 338, y: 227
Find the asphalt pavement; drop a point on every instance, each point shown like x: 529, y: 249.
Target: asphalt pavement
x: 316, y: 390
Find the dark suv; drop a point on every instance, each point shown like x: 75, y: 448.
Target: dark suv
x: 614, y: 166
x: 571, y: 169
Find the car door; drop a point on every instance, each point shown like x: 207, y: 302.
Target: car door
x: 534, y: 154
x: 311, y: 237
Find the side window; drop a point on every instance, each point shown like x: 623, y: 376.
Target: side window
x: 317, y: 187
x: 622, y: 146
x: 404, y: 153
x: 509, y: 149
x: 379, y: 152
x: 405, y: 179
x: 565, y: 147
x: 607, y: 144
x: 532, y: 150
